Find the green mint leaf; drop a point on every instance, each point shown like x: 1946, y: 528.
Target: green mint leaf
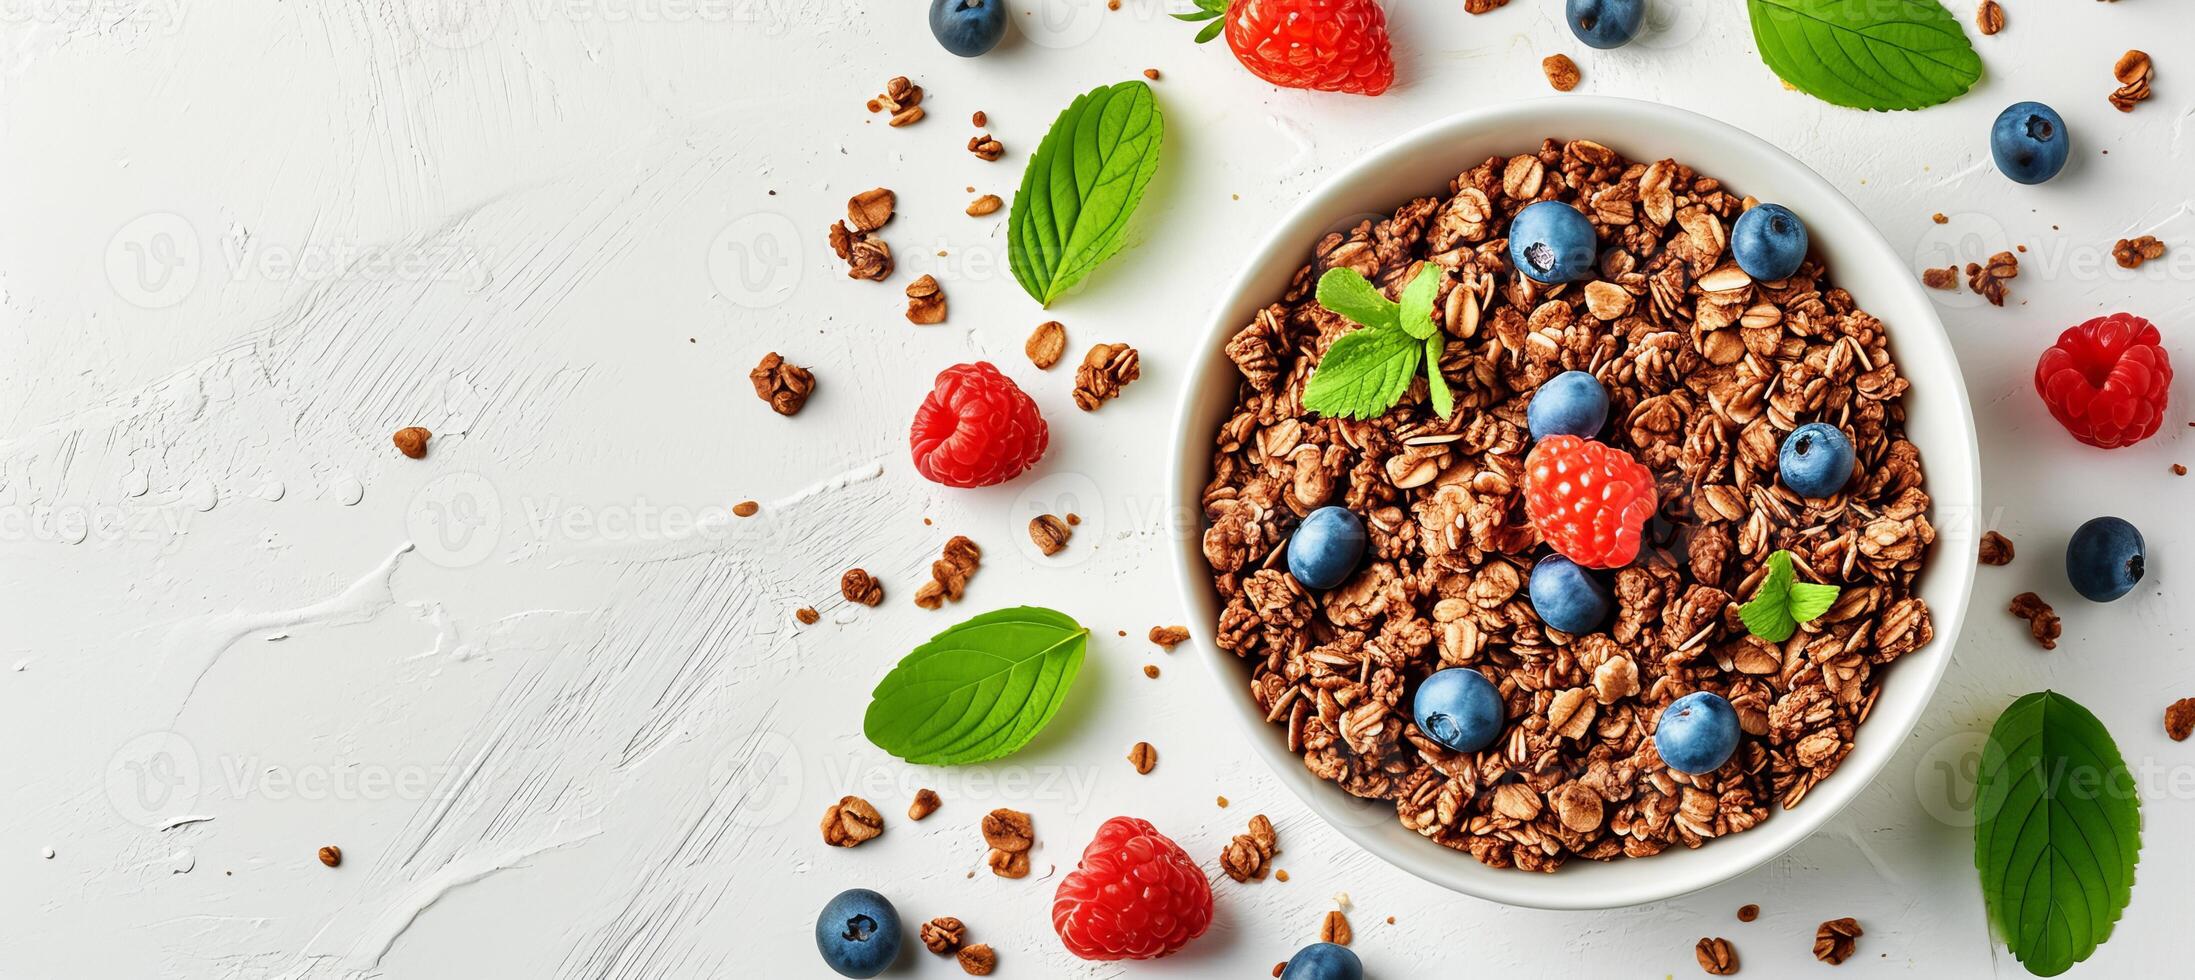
x: 1768, y: 615
x: 1444, y: 404
x: 1809, y: 601
x: 2057, y: 832
x: 1347, y: 292
x: 1867, y: 54
x: 1082, y: 183
x: 977, y: 691
x: 1415, y: 311
x: 1211, y: 31
x: 1364, y: 373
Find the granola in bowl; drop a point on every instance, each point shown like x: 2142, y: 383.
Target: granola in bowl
x: 1707, y: 371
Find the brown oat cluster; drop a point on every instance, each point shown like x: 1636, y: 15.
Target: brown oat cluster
x: 1834, y: 941
x: 950, y: 573
x: 2132, y: 71
x: 1105, y: 370
x: 786, y: 386
x: 1708, y: 371
x: 1010, y: 833
x: 850, y: 822
x: 2130, y: 253
x: 2042, y: 621
x: 854, y: 239
x: 1988, y: 280
x: 1251, y: 852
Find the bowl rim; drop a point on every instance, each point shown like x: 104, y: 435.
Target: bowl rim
x: 1919, y: 341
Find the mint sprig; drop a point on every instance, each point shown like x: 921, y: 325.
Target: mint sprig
x: 977, y: 691
x: 1211, y: 10
x: 1783, y: 602
x: 1368, y: 370
x: 1866, y: 54
x: 2057, y: 831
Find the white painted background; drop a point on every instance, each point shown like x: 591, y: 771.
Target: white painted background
x: 571, y: 735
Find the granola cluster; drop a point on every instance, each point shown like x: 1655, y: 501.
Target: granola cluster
x: 1708, y: 371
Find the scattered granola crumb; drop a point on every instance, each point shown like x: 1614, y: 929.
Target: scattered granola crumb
x: 1834, y: 941
x: 1010, y: 834
x: 850, y: 821
x: 1046, y: 343
x: 866, y: 256
x: 925, y: 803
x: 1716, y: 956
x: 1482, y: 6
x: 1335, y: 929
x: 1223, y: 803
x: 1074, y: 519
x: 1989, y: 280
x: 746, y: 508
x: 1143, y: 757
x: 411, y: 440
x: 1990, y: 18
x: 980, y: 119
x: 2180, y: 719
x: 899, y: 95
x: 978, y: 960
x: 1940, y: 218
x: 1562, y: 73
x: 2179, y: 469
x: 870, y: 209
x: 1996, y: 549
x: 1245, y: 858
x: 1049, y: 533
x: 784, y: 385
x: 1151, y: 73
x: 807, y: 615
x: 331, y: 855
x: 987, y: 204
x: 1747, y: 913
x: 2130, y: 253
x: 1169, y: 636
x: 2041, y: 621
x: 925, y: 302
x: 950, y: 573
x: 1151, y: 671
x: 985, y: 147
x: 1944, y: 278
x: 943, y: 934
x: 1390, y: 920
x: 1112, y: 4
x: 906, y: 117
x: 1281, y: 875
x: 1104, y: 371
x: 857, y: 585
x: 2132, y: 72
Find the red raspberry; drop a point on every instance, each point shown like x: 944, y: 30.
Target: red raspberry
x: 1328, y: 45
x: 1135, y: 896
x: 1590, y: 502
x: 977, y: 428
x: 2106, y: 380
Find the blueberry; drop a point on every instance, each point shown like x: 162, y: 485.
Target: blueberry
x: 1816, y: 460
x: 1458, y: 708
x: 2104, y: 559
x: 1572, y: 403
x: 1697, y: 733
x: 1568, y: 597
x: 2030, y: 142
x: 858, y: 933
x: 1326, y: 547
x: 1551, y: 242
x: 1323, y: 961
x: 968, y: 27
x: 1769, y: 242
x: 1605, y: 23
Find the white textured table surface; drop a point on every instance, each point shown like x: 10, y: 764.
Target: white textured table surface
x: 559, y: 730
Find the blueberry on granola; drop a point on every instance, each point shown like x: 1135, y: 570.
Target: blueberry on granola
x: 1326, y: 548
x: 1697, y: 733
x: 1605, y: 23
x: 858, y: 933
x: 1572, y: 403
x: 968, y: 27
x: 2030, y: 142
x: 2105, y: 559
x: 1769, y: 242
x: 1816, y: 460
x: 1324, y: 961
x: 1459, y: 708
x: 1567, y: 597
x: 1552, y: 242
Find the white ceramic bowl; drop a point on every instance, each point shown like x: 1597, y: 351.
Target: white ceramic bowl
x: 1939, y: 421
